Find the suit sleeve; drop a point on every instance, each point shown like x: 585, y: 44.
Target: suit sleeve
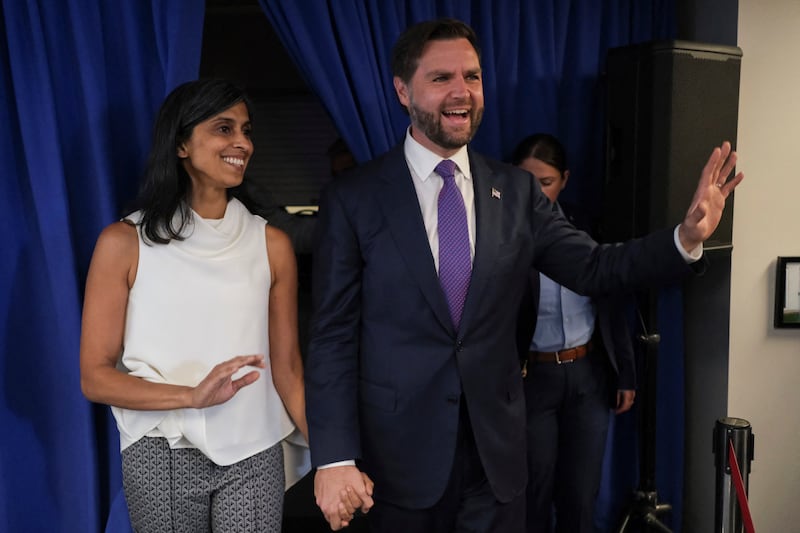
x: 331, y: 372
x: 612, y: 313
x: 573, y: 259
x: 526, y: 318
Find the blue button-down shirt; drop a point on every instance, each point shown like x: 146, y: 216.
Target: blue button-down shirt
x: 566, y: 319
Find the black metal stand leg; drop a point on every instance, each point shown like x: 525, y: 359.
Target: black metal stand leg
x: 643, y: 511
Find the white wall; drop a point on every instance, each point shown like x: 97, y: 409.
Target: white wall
x: 764, y: 375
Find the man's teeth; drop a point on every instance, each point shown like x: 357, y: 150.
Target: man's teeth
x: 234, y: 161
x: 457, y: 112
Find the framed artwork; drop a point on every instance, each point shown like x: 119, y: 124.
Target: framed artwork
x: 787, y: 293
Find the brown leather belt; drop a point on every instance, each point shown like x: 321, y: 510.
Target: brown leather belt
x: 562, y: 356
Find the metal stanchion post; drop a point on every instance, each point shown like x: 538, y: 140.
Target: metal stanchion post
x: 731, y: 434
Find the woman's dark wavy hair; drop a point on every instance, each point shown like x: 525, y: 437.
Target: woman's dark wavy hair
x: 544, y: 147
x: 166, y: 186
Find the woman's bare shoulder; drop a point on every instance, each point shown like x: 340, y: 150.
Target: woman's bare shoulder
x: 278, y: 241
x: 120, y: 235
x: 117, y: 249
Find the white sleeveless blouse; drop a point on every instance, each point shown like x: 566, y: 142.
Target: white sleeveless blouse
x: 194, y: 304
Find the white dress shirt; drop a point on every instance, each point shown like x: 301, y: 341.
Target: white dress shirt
x: 421, y: 163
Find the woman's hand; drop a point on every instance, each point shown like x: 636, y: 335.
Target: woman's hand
x: 219, y: 387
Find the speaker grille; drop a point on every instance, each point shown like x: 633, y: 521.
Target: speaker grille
x: 669, y: 104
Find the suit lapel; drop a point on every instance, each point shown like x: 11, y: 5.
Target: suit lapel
x: 488, y: 232
x: 398, y: 201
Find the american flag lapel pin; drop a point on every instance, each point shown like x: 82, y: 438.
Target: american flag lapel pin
x: 496, y: 193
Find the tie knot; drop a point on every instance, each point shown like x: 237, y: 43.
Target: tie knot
x: 446, y: 168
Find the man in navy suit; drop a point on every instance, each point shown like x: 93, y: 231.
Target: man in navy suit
x: 422, y: 396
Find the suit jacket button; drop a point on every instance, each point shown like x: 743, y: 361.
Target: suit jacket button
x: 452, y: 399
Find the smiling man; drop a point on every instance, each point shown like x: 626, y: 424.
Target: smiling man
x: 443, y: 94
x: 421, y: 259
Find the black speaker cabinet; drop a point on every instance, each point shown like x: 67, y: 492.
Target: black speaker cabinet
x: 669, y: 104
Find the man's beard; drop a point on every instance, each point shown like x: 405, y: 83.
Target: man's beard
x: 431, y: 126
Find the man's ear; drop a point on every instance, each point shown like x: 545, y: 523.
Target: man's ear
x: 564, y: 181
x: 401, y: 89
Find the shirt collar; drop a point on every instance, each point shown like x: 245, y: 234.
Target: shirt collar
x: 423, y: 161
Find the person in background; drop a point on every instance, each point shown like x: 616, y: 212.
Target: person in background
x: 340, y: 157
x: 575, y: 350
x: 299, y: 227
x: 190, y: 330
x: 420, y: 262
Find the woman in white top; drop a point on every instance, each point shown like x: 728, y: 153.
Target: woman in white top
x: 190, y: 329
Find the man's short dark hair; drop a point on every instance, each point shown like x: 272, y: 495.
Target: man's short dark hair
x: 409, y: 46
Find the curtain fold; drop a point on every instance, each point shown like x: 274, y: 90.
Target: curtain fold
x: 346, y: 64
x: 80, y: 82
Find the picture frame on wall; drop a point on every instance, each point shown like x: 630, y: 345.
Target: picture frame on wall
x: 787, y: 293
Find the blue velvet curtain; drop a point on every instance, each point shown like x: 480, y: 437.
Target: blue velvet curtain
x: 80, y: 81
x: 543, y: 62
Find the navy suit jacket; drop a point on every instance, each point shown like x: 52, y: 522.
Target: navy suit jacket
x: 386, y: 373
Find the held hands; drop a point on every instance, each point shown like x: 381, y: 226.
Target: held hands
x: 704, y: 214
x: 218, y: 387
x: 339, y: 491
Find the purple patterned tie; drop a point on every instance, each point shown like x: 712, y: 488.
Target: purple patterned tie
x: 455, y: 265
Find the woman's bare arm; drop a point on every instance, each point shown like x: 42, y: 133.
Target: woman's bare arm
x: 285, y: 360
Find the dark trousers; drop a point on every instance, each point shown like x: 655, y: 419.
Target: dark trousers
x: 568, y: 412
x: 468, y: 504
